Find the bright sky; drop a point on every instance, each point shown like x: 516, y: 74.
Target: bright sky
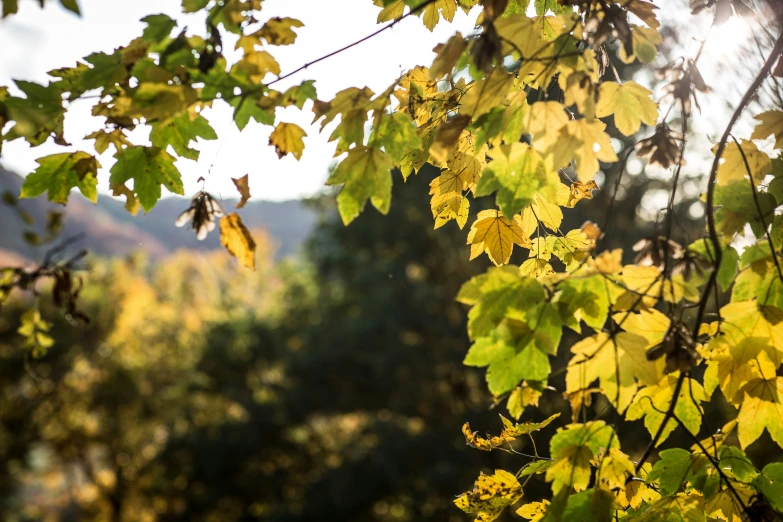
x: 36, y: 41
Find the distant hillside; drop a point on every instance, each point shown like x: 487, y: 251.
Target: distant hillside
x: 111, y: 231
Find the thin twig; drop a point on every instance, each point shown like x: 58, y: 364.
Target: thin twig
x: 354, y: 44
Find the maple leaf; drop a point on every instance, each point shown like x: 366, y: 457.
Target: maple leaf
x: 490, y: 495
x: 179, y: 132
x: 365, y: 173
x: 447, y: 56
x: 652, y: 402
x: 644, y: 42
x: 733, y: 168
x: 277, y: 31
x: 432, y: 14
x: 517, y: 172
x: 256, y: 65
x: 57, y: 174
x: 237, y: 240
x: 243, y: 188
x: 351, y: 105
x: 572, y: 449
x: 543, y: 121
x: 617, y: 363
x: 149, y: 167
x: 287, y: 139
x: 587, y: 142
x: 533, y: 511
x: 496, y: 235
x: 103, y: 139
x: 771, y: 123
x: 398, y: 136
x: 629, y: 102
x: 38, y: 116
x: 486, y: 93
x: 391, y: 10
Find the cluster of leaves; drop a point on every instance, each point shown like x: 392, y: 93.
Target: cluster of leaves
x: 517, y: 111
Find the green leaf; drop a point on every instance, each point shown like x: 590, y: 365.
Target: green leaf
x: 191, y: 6
x: 10, y: 7
x: 585, y: 297
x: 737, y: 208
x: 245, y: 109
x: 37, y: 116
x: 770, y: 484
x: 572, y: 449
x: 517, y: 173
x: 179, y: 132
x: 544, y: 6
x: 735, y: 463
x: 71, y: 5
x: 672, y: 470
x: 59, y: 173
x: 365, y: 174
x: 159, y: 27
x: 149, y: 167
x: 594, y: 504
x: 398, y: 136
x: 299, y: 94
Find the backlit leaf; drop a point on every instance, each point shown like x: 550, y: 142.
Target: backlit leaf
x: 237, y: 240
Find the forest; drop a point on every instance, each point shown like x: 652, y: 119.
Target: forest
x: 539, y: 278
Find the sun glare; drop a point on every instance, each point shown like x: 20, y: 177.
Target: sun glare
x: 727, y: 38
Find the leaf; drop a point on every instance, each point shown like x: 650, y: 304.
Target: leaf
x: 57, y: 174
x: 447, y: 56
x: 685, y: 507
x: 365, y: 173
x: 237, y: 240
x: 486, y: 93
x: 71, y: 5
x: 432, y: 14
x: 629, y: 102
x: 103, y: 139
x: 616, y: 363
x: 392, y: 10
x: 644, y: 41
x: 277, y: 31
x: 533, y: 511
x: 512, y: 430
x: 287, y: 138
x: 398, y: 136
x: 769, y: 484
x: 733, y: 168
x: 652, y: 400
x: 149, y: 168
x: 490, y: 495
x: 517, y: 173
x: 526, y: 394
x: 179, y: 132
x: 572, y: 449
x: 37, y: 116
x: 672, y: 470
x: 761, y: 409
x: 543, y: 121
x: 159, y: 27
x: 243, y: 188
x: 587, y: 143
x: 596, y: 504
x: 771, y: 123
x: 496, y: 235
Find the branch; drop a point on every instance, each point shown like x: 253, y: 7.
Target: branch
x: 776, y: 51
x: 758, y: 208
x: 357, y: 42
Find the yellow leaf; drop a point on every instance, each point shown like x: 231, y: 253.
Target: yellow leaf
x: 277, y: 31
x: 243, y: 188
x: 733, y: 168
x: 490, y: 495
x: 534, y: 511
x: 486, y: 93
x: 629, y: 102
x: 287, y: 138
x: 496, y: 235
x: 616, y: 363
x: 650, y: 324
x: 771, y: 123
x: 447, y: 137
x: 580, y: 191
x: 447, y: 55
x: 237, y: 240
x: 460, y: 215
x: 652, y: 402
x: 392, y: 11
x: 761, y: 409
x: 434, y: 11
x: 543, y: 122
x: 615, y: 468
x: 587, y: 143
x: 644, y: 42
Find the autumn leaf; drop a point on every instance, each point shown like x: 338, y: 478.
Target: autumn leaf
x: 365, y: 174
x: 572, y: 449
x: 630, y: 104
x: 149, y: 168
x: 277, y: 31
x: 771, y: 123
x: 237, y: 240
x: 432, y: 14
x: 587, y: 143
x: 517, y: 173
x: 644, y: 42
x: 287, y: 138
x: 490, y: 495
x: 57, y: 174
x: 496, y: 235
x: 243, y: 188
x: 486, y: 93
x: 733, y: 167
x: 178, y: 132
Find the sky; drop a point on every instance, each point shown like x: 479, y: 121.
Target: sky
x: 35, y: 41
